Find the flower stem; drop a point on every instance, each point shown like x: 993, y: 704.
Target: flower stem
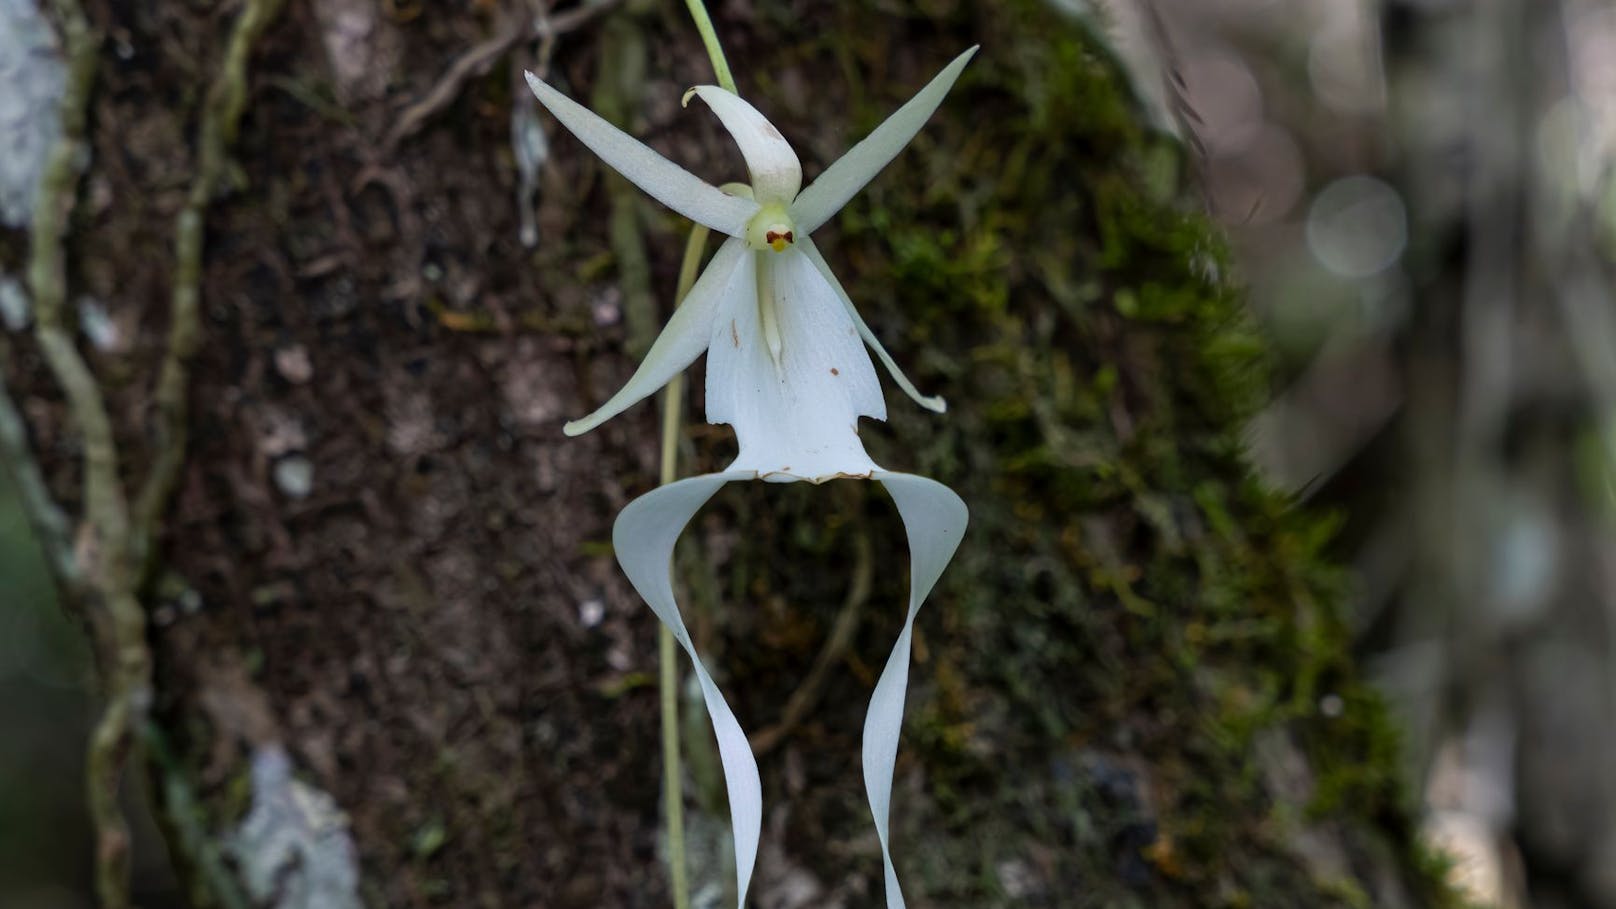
x: 672, y: 399
x: 673, y: 794
x: 704, y: 24
x: 668, y: 659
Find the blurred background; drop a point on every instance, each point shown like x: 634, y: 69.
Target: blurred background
x: 1419, y: 194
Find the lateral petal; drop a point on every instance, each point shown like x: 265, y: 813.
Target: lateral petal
x: 664, y: 180
x: 643, y: 538
x: 934, y: 518
x: 930, y: 402
x: 682, y: 340
x: 842, y: 180
x: 776, y: 172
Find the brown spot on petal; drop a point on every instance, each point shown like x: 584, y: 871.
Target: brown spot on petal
x: 834, y: 371
x: 772, y: 133
x: 733, y: 334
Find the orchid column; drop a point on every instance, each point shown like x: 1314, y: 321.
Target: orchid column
x: 788, y: 370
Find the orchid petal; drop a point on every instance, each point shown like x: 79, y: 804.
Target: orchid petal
x: 796, y: 417
x: 932, y: 403
x: 825, y: 196
x: 934, y: 519
x: 682, y: 340
x: 664, y: 180
x: 776, y: 172
x: 643, y: 538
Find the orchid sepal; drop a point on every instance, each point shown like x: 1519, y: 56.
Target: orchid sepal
x: 858, y: 165
x: 660, y: 178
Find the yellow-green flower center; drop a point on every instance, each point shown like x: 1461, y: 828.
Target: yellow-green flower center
x: 771, y: 228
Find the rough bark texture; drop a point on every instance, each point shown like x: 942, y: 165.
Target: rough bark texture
x: 1132, y: 688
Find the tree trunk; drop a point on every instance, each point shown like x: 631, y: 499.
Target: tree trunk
x: 386, y: 617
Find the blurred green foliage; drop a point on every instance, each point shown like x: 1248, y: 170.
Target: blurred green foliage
x: 44, y: 719
x: 34, y: 637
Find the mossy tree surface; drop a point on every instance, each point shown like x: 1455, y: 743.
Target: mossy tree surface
x: 1132, y: 687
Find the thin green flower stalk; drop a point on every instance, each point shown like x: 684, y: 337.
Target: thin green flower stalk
x: 715, y: 51
x: 668, y: 659
x: 672, y: 419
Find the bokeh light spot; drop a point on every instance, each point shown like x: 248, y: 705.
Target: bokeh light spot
x: 1357, y: 226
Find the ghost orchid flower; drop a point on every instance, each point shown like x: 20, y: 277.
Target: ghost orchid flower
x: 785, y: 369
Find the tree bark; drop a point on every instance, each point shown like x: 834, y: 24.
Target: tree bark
x: 395, y: 662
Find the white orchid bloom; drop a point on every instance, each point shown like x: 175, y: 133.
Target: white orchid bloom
x: 786, y: 368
